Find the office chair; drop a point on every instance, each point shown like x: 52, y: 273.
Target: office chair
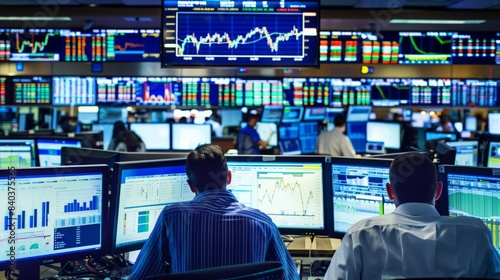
x: 250, y: 271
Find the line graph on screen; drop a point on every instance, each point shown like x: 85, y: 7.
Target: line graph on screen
x: 240, y: 35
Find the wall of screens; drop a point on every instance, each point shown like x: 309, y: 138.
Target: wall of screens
x: 238, y: 92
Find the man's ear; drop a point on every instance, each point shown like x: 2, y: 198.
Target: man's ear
x: 229, y: 177
x: 390, y: 191
x: 192, y: 186
x: 439, y: 189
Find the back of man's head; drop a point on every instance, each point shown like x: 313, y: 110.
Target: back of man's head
x: 339, y: 120
x: 206, y: 167
x: 414, y: 178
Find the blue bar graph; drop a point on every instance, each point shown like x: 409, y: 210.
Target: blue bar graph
x: 76, y: 206
x: 33, y: 219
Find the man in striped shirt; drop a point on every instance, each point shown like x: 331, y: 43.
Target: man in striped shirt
x: 213, y: 229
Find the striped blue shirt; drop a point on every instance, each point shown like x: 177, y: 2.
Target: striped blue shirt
x: 212, y: 230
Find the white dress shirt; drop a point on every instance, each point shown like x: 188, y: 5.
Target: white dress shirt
x: 334, y: 143
x: 415, y: 242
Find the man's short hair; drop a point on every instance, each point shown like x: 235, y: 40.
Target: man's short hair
x: 206, y: 167
x: 339, y: 120
x: 414, y: 178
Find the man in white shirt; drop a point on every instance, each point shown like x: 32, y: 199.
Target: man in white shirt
x: 414, y: 241
x: 334, y: 142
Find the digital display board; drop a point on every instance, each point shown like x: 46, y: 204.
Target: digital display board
x: 474, y: 92
x: 307, y: 91
x: 116, y: 90
x: 74, y: 91
x: 390, y: 92
x: 339, y: 46
x: 158, y: 91
x: 240, y: 33
x: 380, y: 50
x: 3, y: 91
x: 473, y: 48
x: 435, y: 92
x: 32, y: 44
x: 349, y: 92
x: 425, y: 47
x: 32, y: 90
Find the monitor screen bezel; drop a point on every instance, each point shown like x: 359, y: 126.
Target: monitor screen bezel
x: 173, y: 144
x: 53, y: 138
x: 390, y: 123
x: 150, y: 124
x: 327, y: 207
x: 63, y: 257
x: 115, y: 196
x: 34, y: 152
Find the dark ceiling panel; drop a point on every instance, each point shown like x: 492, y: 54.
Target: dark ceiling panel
x: 474, y: 4
x: 142, y: 2
x: 340, y: 3
x: 100, y: 2
x: 380, y: 4
x: 430, y: 3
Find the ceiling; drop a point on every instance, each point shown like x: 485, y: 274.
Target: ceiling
x: 367, y: 15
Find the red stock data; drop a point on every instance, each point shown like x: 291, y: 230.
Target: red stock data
x: 474, y: 93
x: 73, y: 91
x: 389, y: 92
x: 307, y: 91
x: 31, y: 90
x: 425, y: 48
x: 375, y: 50
x: 4, y: 46
x: 339, y: 46
x: 158, y: 91
x: 34, y: 44
x: 117, y: 90
x: 474, y: 48
x: 435, y: 92
x: 3, y: 91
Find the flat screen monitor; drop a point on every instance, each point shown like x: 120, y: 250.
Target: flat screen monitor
x: 471, y: 191
x: 356, y: 131
x: 494, y: 123
x: 359, y: 190
x: 288, y: 189
x: 49, y: 149
x: 431, y: 135
x: 272, y: 114
x: 292, y: 114
x: 88, y: 117
x: 60, y: 214
x: 90, y: 139
x: 142, y: 190
x: 266, y: 131
x: 419, y: 120
x: 290, y: 147
x: 136, y: 156
x: 73, y: 91
x: 17, y: 152
x: 256, y: 34
x: 387, y: 132
x: 231, y: 117
x: 315, y: 114
x: 358, y: 113
x: 289, y: 131
x: 107, y: 131
x: 467, y: 152
x: 493, y: 158
x: 83, y: 156
x: 471, y: 123
x: 308, y: 132
x: 189, y: 136
x: 156, y: 136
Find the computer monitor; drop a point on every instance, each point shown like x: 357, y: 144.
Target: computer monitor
x: 231, y: 117
x: 189, y: 136
x: 292, y: 114
x: 467, y: 152
x: 90, y: 139
x: 308, y: 133
x: 135, y: 156
x: 107, y: 130
x: 86, y: 117
x: 289, y: 131
x: 156, y: 136
x: 314, y: 114
x: 60, y: 214
x: 471, y: 123
x: 358, y: 113
x: 49, y: 149
x: 83, y: 156
x: 493, y: 157
x: 290, y: 147
x: 272, y: 113
x: 264, y: 130
x: 356, y: 131
x: 421, y: 120
x: 432, y: 135
x: 387, y: 132
x: 291, y: 190
x: 494, y: 123
x: 17, y: 152
x: 142, y: 190
x: 359, y: 191
x: 471, y: 191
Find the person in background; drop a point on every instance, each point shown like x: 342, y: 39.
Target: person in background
x: 118, y: 128
x: 128, y: 141
x: 213, y: 229
x: 445, y: 124
x: 215, y: 122
x: 414, y: 241
x: 248, y: 140
x: 334, y: 142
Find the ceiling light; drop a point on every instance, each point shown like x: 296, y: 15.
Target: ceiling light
x: 35, y: 18
x: 435, y: 21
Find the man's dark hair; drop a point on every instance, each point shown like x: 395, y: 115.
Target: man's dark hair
x: 206, y: 167
x: 339, y: 120
x: 414, y: 178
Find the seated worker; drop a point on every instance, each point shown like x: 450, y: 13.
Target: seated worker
x: 213, y: 229
x: 414, y: 241
x: 248, y: 140
x: 445, y: 124
x: 128, y: 141
x: 334, y: 142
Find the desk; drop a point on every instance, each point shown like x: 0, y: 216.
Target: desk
x: 301, y: 246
